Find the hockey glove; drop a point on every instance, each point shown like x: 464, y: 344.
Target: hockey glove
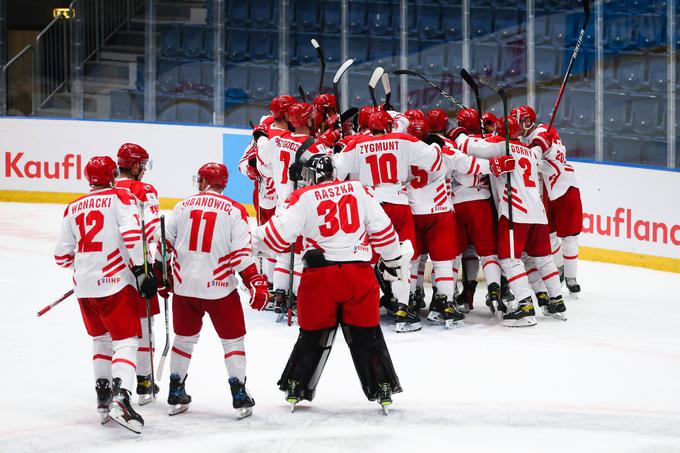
x: 454, y: 133
x: 146, y: 283
x: 434, y: 138
x: 295, y: 171
x: 259, y: 131
x: 390, y: 269
x: 252, y: 172
x: 329, y: 137
x: 164, y: 287
x: 258, y: 285
x: 543, y: 140
x: 501, y: 164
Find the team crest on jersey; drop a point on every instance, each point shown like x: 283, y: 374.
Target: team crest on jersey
x: 108, y: 281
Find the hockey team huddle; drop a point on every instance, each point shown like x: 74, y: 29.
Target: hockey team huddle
x: 349, y: 211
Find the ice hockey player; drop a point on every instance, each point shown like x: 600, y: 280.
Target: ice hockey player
x: 531, y: 234
x: 562, y: 197
x: 382, y: 161
x: 133, y: 162
x: 489, y: 122
x: 209, y: 237
x: 100, y: 235
x: 325, y: 105
x: 341, y: 222
x: 275, y: 156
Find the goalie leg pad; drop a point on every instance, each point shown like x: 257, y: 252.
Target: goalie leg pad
x: 307, y: 361
x: 371, y: 359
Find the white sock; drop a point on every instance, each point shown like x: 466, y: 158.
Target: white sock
x: 516, y: 274
x: 413, y: 270
x: 491, y: 268
x: 143, y: 357
x: 102, y: 354
x: 421, y: 271
x: 268, y: 265
x: 123, y: 364
x: 556, y: 249
x: 235, y: 357
x: 549, y: 274
x: 471, y: 263
x: 443, y: 278
x: 533, y: 275
x: 182, y: 348
x: 570, y: 254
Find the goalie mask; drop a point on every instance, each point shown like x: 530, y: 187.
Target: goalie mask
x: 318, y: 169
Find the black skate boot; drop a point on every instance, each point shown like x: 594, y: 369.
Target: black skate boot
x: 573, y: 286
x: 464, y: 301
x: 293, y: 393
x: 271, y: 301
x: 452, y: 317
x: 543, y: 299
x: 177, y: 395
x: 420, y: 298
x: 241, y: 399
x: 279, y: 304
x: 104, y: 397
x: 122, y: 411
x: 405, y: 320
x: 384, y: 397
x: 555, y: 308
x: 494, y: 301
x: 523, y: 316
x: 144, y: 390
x: 436, y: 309
x: 506, y: 294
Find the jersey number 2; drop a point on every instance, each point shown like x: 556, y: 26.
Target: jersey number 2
x: 206, y: 241
x: 343, y: 215
x: 526, y: 166
x: 95, y: 219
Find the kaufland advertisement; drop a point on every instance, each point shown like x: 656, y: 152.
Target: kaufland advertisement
x: 625, y: 209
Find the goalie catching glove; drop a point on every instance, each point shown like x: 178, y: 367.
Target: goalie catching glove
x: 258, y: 286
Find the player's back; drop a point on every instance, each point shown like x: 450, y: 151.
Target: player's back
x: 204, y: 228
x: 427, y: 191
x: 280, y: 155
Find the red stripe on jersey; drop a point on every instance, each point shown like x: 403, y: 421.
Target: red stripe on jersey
x: 472, y: 165
x: 277, y: 236
x: 282, y: 270
x: 478, y: 170
x: 570, y: 257
x: 112, y: 254
x: 298, y: 274
x: 513, y: 189
x: 382, y: 238
x: 115, y: 271
x: 126, y: 361
x: 221, y: 269
x: 128, y: 232
x: 101, y: 357
x: 233, y: 353
x: 268, y: 243
x: 316, y: 245
x: 182, y: 353
x: 437, y: 162
x: 113, y: 264
x: 273, y: 239
x: 381, y: 232
x: 223, y: 276
x: 491, y: 262
x: 551, y: 275
x: 512, y: 279
x: 177, y: 277
x: 385, y: 243
x: 440, y: 199
x: 63, y: 257
x: 521, y: 208
x: 176, y: 264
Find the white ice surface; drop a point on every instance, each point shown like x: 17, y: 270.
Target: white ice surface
x: 607, y: 380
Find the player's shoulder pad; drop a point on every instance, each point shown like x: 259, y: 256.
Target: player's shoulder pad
x: 448, y: 150
x: 494, y: 139
x: 125, y: 196
x: 239, y: 207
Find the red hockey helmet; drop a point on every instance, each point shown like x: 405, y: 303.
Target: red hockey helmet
x: 324, y: 103
x: 380, y: 121
x: 489, y: 119
x: 418, y: 128
x: 280, y: 105
x: 438, y: 119
x: 364, y: 114
x: 101, y: 171
x: 468, y: 119
x: 525, y: 116
x: 299, y: 114
x: 214, y: 174
x: 130, y: 154
x: 414, y: 114
x: 513, y: 127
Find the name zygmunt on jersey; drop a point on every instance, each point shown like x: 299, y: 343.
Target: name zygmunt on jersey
x: 383, y: 162
x: 210, y: 239
x: 100, y: 238
x: 558, y: 174
x: 525, y: 195
x: 341, y: 219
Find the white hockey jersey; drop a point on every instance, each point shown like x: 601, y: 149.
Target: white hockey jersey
x: 148, y: 205
x: 470, y: 187
x: 210, y: 238
x: 383, y: 162
x: 525, y: 196
x: 341, y: 219
x: 100, y: 238
x: 558, y: 175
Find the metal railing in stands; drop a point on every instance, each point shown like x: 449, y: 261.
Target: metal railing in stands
x: 51, y: 61
x: 17, y: 74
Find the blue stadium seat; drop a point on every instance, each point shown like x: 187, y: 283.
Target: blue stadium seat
x: 452, y: 24
x: 382, y: 51
x: 658, y: 72
x: 561, y: 29
x: 454, y: 57
x: 547, y: 63
x: 654, y: 152
x: 332, y: 48
x: 304, y: 53
x: 357, y: 48
x: 356, y: 17
x: 127, y: 105
x: 208, y: 73
x: 542, y: 30
x: 236, y: 81
x: 615, y: 112
x: 236, y: 48
x: 261, y: 85
x: 619, y: 32
x: 631, y: 72
x: 168, y: 74
x: 428, y: 21
x: 331, y: 16
x: 651, y: 30
x: 236, y: 114
x: 171, y: 40
x: 648, y: 116
x: 545, y: 102
x: 494, y: 105
x: 306, y: 15
x: 512, y: 63
x: 432, y: 57
x: 623, y: 149
x: 413, y: 54
x: 209, y: 45
x: 457, y: 3
x: 484, y: 60
x: 358, y: 89
x: 506, y: 22
x: 238, y: 13
x: 481, y: 22
x: 265, y: 15
x: 308, y: 79
x: 192, y: 41
x: 582, y: 109
x: 380, y: 18
x: 262, y: 47
x: 191, y: 72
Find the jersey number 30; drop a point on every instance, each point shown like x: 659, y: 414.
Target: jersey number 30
x: 343, y: 215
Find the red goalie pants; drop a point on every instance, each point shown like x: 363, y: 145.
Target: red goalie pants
x: 565, y: 214
x: 532, y: 238
x: 116, y: 314
x: 352, y: 287
x: 226, y: 315
x: 437, y: 235
x: 477, y: 226
x: 402, y: 219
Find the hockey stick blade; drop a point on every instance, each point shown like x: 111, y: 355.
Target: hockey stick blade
x: 385, y: 79
x: 442, y: 92
x: 377, y: 75
x: 484, y: 80
x: 348, y: 114
x: 322, y: 61
x: 340, y: 72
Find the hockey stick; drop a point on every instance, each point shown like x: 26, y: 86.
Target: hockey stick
x: 442, y: 92
x: 166, y: 348
x: 302, y: 93
x: 501, y: 92
x: 336, y: 81
x: 49, y: 307
x: 322, y: 60
x: 470, y: 81
x: 148, y: 303
x: 586, y: 12
x: 388, y: 90
x: 377, y: 74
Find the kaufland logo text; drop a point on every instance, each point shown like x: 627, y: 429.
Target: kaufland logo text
x: 18, y: 166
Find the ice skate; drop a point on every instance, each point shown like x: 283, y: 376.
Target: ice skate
x: 464, y: 301
x: 271, y: 303
x: 543, y: 299
x: 242, y: 401
x: 573, y: 286
x: 122, y: 411
x: 452, y: 317
x: 405, y: 320
x: 555, y: 308
x: 436, y: 308
x: 523, y: 316
x: 144, y: 390
x: 385, y: 397
x: 417, y: 300
x: 280, y: 304
x: 293, y: 394
x: 177, y: 396
x: 104, y: 397
x: 506, y: 294
x: 495, y: 302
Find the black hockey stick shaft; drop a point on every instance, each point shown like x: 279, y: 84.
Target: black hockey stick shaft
x: 388, y: 90
x: 303, y: 95
x: 166, y: 348
x: 577, y: 48
x: 322, y: 61
x: 148, y: 303
x: 475, y: 88
x: 49, y: 307
x: 426, y: 80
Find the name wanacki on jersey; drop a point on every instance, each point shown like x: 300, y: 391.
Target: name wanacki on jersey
x: 16, y: 166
